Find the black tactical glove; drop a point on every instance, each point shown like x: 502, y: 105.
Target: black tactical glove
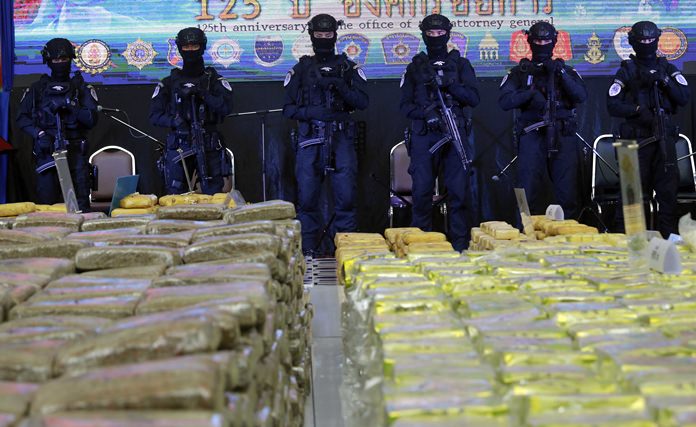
x: 180, y: 124
x: 58, y: 104
x: 316, y: 112
x: 328, y: 82
x: 645, y: 116
x: 432, y: 119
x: 44, y: 143
x: 537, y: 101
x: 188, y: 91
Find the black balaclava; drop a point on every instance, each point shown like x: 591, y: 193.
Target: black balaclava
x: 542, y: 31
x: 323, y: 22
x: 193, y: 59
x: 437, y: 46
x: 58, y: 48
x: 645, y: 52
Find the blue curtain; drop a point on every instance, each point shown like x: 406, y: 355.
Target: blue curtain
x: 8, y: 44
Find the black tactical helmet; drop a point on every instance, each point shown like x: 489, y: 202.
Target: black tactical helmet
x: 542, y: 31
x: 435, y: 22
x: 57, y: 48
x: 643, y: 30
x: 322, y: 22
x: 191, y: 35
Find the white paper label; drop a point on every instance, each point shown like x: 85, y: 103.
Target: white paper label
x: 663, y: 256
x: 555, y: 213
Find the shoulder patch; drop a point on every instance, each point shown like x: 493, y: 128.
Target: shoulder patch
x: 225, y: 84
x: 361, y: 73
x: 288, y: 77
x: 403, y: 78
x: 157, y: 90
x: 681, y: 79
x: 615, y: 89
x: 93, y: 92
x: 505, y: 79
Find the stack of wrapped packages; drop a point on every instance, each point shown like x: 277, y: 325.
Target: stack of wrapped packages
x: 193, y: 316
x: 561, y: 332
x: 498, y: 234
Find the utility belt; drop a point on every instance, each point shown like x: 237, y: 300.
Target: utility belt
x: 184, y: 140
x: 319, y: 131
x: 633, y: 130
x: 565, y: 126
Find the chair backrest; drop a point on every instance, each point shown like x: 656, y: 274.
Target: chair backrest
x: 605, y: 183
x: 687, y: 170
x: 230, y: 183
x: 400, y: 180
x: 112, y: 162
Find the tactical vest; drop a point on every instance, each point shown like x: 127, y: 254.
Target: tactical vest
x: 641, y: 89
x: 181, y: 104
x: 312, y: 71
x: 424, y: 71
x: 65, y: 92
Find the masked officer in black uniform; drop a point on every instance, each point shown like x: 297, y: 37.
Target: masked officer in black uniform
x: 320, y: 93
x: 72, y: 101
x: 632, y: 96
x: 419, y: 102
x: 191, y: 102
x: 547, y: 123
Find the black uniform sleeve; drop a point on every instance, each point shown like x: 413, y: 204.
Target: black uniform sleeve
x: 159, y: 106
x: 86, y: 110
x: 677, y: 90
x: 354, y: 93
x: 292, y: 108
x: 618, y: 103
x: 465, y: 92
x: 219, y: 97
x: 409, y: 107
x: 573, y: 85
x: 25, y: 116
x: 513, y: 91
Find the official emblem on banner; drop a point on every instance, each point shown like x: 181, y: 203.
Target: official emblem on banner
x: 302, y: 47
x: 226, y: 52
x: 399, y: 48
x: 594, y: 54
x: 93, y: 56
x: 621, y: 46
x: 354, y: 46
x: 672, y: 44
x: 139, y: 54
x: 519, y: 47
x: 457, y: 41
x: 488, y: 48
x: 563, y: 48
x: 268, y: 50
x: 173, y: 57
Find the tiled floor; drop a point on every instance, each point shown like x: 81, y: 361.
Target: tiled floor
x: 324, y: 404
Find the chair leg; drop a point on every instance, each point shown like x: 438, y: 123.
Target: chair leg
x: 443, y: 210
x: 390, y: 214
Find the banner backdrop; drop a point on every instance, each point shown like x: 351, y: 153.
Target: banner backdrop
x: 132, y: 41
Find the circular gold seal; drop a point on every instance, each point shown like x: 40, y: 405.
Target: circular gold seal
x: 93, y: 56
x: 672, y: 44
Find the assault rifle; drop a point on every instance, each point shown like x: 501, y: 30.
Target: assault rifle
x: 549, y: 120
x: 659, y: 127
x: 451, y: 133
